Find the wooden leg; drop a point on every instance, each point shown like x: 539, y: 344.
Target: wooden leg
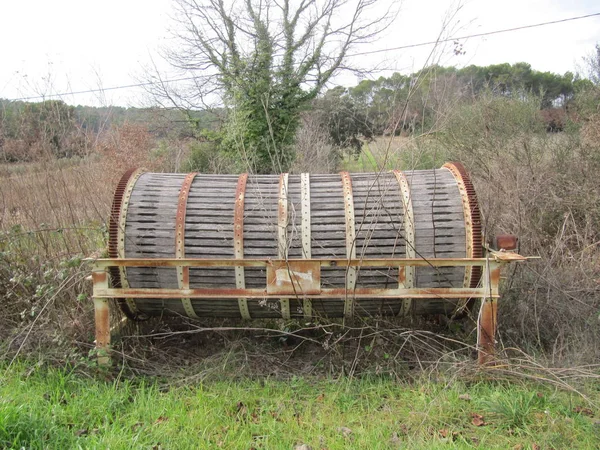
x: 102, y: 316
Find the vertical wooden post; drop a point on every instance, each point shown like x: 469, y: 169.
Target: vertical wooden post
x: 487, y: 321
x: 102, y: 317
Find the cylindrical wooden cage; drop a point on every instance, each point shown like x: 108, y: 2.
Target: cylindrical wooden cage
x: 414, y: 214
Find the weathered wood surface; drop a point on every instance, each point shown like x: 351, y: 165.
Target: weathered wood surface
x: 379, y: 227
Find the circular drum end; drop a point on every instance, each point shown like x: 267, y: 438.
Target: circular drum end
x: 114, y: 234
x: 473, y: 226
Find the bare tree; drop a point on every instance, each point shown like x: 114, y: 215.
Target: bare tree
x: 266, y: 60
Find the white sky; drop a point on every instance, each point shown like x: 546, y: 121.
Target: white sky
x: 56, y: 46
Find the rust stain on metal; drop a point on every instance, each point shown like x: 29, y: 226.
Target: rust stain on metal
x: 472, y: 219
x: 238, y: 241
x: 306, y: 232
x: 282, y: 202
x: 294, y: 278
x: 238, y: 217
x: 100, y: 277
x: 116, y: 237
x: 473, y: 228
x: 282, y: 245
x: 402, y: 277
x: 183, y: 273
x: 350, y: 242
x: 181, y: 213
x: 102, y: 322
x: 185, y: 278
x: 506, y: 242
x: 487, y: 330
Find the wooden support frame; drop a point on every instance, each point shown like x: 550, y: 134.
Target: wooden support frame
x: 488, y: 292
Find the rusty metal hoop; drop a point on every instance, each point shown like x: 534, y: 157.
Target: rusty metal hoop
x: 238, y: 241
x: 473, y: 228
x: 116, y: 236
x: 183, y: 273
x: 350, y: 244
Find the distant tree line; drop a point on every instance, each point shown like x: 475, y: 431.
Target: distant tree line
x: 415, y: 103
x: 418, y: 102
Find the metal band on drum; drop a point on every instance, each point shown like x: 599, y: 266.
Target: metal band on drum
x: 121, y: 235
x: 473, y: 230
x: 183, y: 273
x: 406, y: 275
x: 282, y: 224
x: 306, y: 232
x: 350, y: 244
x: 238, y: 241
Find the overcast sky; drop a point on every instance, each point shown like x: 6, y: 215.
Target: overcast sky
x: 56, y: 46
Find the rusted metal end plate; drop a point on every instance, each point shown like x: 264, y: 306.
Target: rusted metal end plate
x: 350, y: 243
x: 306, y: 232
x: 282, y: 224
x: 406, y: 275
x: 114, y: 235
x: 116, y: 245
x: 472, y: 215
x: 294, y: 278
x: 473, y: 230
x: 238, y: 241
x: 183, y: 273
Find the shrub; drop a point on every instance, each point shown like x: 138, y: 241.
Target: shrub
x: 543, y: 187
x: 313, y: 148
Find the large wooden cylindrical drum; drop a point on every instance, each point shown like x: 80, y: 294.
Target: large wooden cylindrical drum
x: 412, y: 214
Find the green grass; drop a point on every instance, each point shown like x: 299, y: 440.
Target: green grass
x: 58, y: 408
